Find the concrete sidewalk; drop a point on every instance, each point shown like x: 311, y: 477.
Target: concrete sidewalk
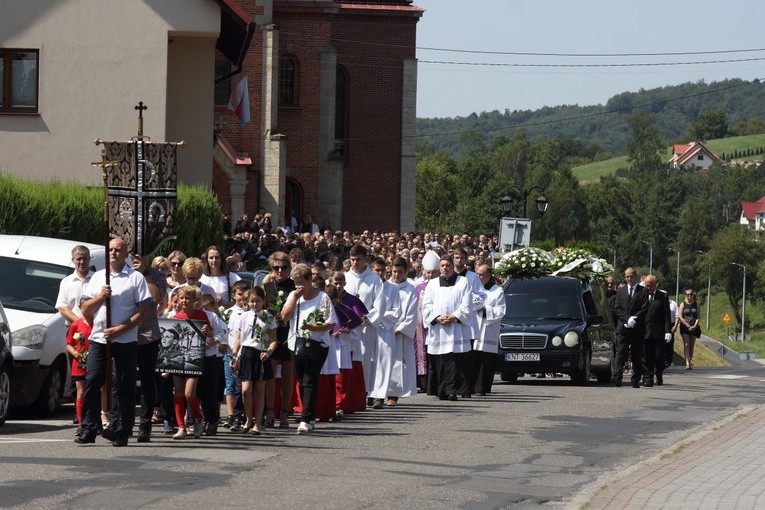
x: 721, y: 467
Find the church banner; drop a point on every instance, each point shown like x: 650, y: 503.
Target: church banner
x: 142, y: 193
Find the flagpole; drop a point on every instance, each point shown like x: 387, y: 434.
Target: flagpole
x: 104, y: 164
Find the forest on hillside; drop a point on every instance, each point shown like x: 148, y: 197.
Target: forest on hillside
x: 643, y: 218
x: 603, y: 127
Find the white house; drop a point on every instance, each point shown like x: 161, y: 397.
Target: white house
x: 694, y: 154
x: 753, y: 214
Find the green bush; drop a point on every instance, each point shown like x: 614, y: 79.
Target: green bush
x: 73, y: 211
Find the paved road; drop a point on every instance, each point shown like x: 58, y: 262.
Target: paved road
x: 540, y: 442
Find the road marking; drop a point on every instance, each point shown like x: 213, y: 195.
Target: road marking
x: 11, y: 440
x: 727, y: 376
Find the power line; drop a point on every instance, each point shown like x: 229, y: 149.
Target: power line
x: 634, y: 64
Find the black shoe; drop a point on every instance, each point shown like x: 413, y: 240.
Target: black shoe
x: 636, y: 384
x: 616, y: 382
x: 453, y: 397
x: 85, y: 438
x: 226, y: 422
x: 659, y: 379
x: 211, y: 429
x: 144, y: 436
x: 78, y: 431
x: 120, y: 441
x: 108, y: 433
x: 378, y: 403
x: 648, y: 383
x: 466, y: 395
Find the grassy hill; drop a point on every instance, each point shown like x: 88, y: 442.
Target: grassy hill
x: 593, y: 171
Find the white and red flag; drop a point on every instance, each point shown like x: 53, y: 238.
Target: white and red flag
x: 239, y: 102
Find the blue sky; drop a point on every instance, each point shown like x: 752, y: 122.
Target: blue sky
x: 587, y: 26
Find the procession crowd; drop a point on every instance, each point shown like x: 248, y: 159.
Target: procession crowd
x: 340, y: 324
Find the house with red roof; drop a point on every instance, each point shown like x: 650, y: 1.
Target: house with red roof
x: 694, y: 154
x: 753, y: 214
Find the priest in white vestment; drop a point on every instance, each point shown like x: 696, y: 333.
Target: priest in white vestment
x: 386, y: 337
x: 446, y: 307
x: 403, y: 375
x: 490, y: 316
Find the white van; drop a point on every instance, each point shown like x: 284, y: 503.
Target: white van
x: 32, y: 269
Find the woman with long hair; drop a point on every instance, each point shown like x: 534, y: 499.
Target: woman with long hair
x: 217, y: 276
x: 688, y: 315
x: 175, y: 263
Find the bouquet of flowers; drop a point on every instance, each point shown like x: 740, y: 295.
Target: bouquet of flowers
x: 525, y: 263
x: 580, y: 264
x: 317, y: 317
x: 82, y: 357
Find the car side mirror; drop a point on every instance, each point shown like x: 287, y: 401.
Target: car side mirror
x: 596, y: 319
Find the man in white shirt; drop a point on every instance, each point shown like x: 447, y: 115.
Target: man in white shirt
x: 129, y: 300
x: 70, y: 289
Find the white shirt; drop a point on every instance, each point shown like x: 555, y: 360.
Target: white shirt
x: 220, y: 284
x: 319, y: 302
x: 70, y: 291
x: 494, y: 309
x: 253, y: 330
x: 129, y: 292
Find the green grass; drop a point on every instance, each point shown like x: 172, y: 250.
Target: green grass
x: 591, y: 172
x: 755, y: 318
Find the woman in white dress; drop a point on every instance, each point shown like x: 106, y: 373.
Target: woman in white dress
x: 218, y: 277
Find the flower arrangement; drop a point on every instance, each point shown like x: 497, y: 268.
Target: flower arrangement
x: 525, y: 263
x: 535, y: 263
x: 224, y: 314
x: 82, y: 356
x: 580, y: 264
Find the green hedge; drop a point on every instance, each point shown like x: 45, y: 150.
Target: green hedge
x: 73, y: 211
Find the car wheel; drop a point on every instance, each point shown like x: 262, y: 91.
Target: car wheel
x: 510, y: 377
x: 50, y: 394
x: 5, y: 393
x: 581, y: 376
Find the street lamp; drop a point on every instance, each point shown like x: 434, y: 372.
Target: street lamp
x: 709, y: 288
x: 507, y: 201
x: 650, y: 262
x: 677, y: 276
x: 743, y: 299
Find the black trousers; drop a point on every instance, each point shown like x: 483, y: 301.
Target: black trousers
x: 165, y: 396
x: 207, y: 389
x: 125, y: 360
x: 654, y: 356
x: 307, y: 372
x: 147, y: 361
x: 483, y: 371
x: 449, y: 374
x: 630, y: 344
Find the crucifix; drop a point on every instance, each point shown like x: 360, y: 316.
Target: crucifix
x: 140, y: 107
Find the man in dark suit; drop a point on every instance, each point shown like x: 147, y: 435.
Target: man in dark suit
x: 630, y: 308
x: 658, y: 330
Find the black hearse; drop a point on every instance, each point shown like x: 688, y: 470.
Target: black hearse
x: 556, y: 324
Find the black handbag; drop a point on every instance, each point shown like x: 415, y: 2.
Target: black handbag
x: 305, y: 348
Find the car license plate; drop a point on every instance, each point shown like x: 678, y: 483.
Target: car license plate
x: 524, y: 356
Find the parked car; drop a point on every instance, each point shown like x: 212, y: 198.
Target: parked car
x: 559, y: 325
x: 6, y: 365
x: 32, y: 269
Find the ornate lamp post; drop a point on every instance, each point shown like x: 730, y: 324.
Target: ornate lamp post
x: 507, y: 201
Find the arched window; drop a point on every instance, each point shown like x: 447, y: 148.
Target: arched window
x: 288, y: 81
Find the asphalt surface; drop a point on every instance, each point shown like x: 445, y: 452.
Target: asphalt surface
x: 542, y: 442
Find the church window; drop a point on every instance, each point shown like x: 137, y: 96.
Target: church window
x: 288, y: 81
x: 341, y: 113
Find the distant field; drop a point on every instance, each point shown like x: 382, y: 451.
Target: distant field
x: 594, y: 171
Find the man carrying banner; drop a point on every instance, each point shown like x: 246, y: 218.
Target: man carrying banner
x: 130, y: 301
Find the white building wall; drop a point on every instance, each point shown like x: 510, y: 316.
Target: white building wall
x: 98, y: 59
